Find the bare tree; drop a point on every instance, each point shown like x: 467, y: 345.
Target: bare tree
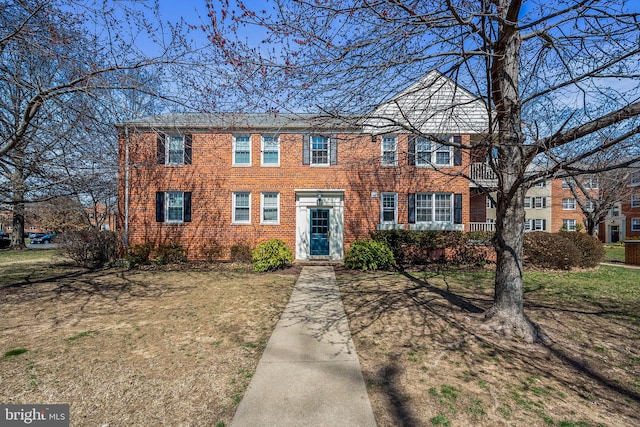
x: 549, y: 74
x: 58, y: 62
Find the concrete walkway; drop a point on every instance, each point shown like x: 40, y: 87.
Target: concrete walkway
x: 309, y: 374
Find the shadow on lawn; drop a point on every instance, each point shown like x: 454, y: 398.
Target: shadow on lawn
x: 440, y: 315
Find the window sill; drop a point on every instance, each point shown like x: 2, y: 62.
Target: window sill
x: 438, y: 226
x: 241, y: 165
x: 240, y: 223
x: 385, y: 226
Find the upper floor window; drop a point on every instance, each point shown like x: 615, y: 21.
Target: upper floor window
x: 319, y: 150
x: 541, y: 184
x: 270, y: 150
x: 490, y: 203
x: 565, y: 183
x: 389, y: 151
x: 634, y: 178
x: 568, y: 203
x: 242, y: 150
x: 589, y: 206
x: 389, y: 208
x: 241, y: 208
x: 635, y: 201
x: 590, y: 182
x: 535, y: 202
x: 173, y: 206
x: 270, y: 208
x: 426, y: 151
x: 635, y: 224
x: 174, y: 149
x: 615, y: 210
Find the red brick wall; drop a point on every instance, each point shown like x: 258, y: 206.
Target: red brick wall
x: 630, y: 213
x: 557, y: 213
x: 212, y: 179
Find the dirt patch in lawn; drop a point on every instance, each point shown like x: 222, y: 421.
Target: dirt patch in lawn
x: 155, y: 347
x: 427, y: 360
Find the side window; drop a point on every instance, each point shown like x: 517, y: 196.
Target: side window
x: 389, y: 151
x: 241, y: 208
x: 270, y: 204
x: 242, y: 150
x: 174, y: 150
x: 389, y: 208
x: 173, y: 206
x: 270, y: 150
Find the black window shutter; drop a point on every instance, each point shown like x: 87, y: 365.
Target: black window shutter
x: 159, y: 206
x: 188, y: 143
x: 412, y: 208
x: 333, y: 146
x: 457, y: 208
x: 187, y: 206
x: 457, y: 151
x: 160, y: 149
x: 544, y: 224
x: 412, y: 151
x: 306, y: 154
x: 544, y: 202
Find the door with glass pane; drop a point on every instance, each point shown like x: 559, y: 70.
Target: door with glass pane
x: 319, y: 232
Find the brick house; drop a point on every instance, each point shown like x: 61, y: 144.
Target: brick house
x: 205, y: 179
x: 623, y: 221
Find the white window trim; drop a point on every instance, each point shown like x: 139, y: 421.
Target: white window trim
x: 635, y: 224
x: 395, y: 151
x: 433, y: 209
x: 635, y: 200
x: 233, y: 208
x: 570, y: 204
x: 166, y: 208
x: 531, y: 224
x: 262, y: 150
x: 395, y: 208
x: 329, y: 142
x: 528, y: 202
x: 233, y: 153
x: 634, y: 179
x: 569, y: 224
x: 167, y: 145
x: 433, y: 145
x: 262, y: 206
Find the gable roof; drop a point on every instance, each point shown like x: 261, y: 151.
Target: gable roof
x: 433, y: 105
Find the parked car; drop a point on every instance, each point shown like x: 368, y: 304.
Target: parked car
x: 34, y: 235
x: 46, y: 239
x: 5, y: 240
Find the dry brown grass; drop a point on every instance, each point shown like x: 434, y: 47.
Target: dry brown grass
x: 154, y: 347
x: 427, y: 360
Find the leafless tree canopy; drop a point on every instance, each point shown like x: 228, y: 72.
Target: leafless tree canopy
x: 559, y: 82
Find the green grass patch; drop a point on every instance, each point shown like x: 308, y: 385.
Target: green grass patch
x: 81, y: 335
x: 440, y: 420
x: 614, y: 252
x: 15, y: 352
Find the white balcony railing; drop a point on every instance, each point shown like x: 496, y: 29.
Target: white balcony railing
x: 482, y: 226
x: 481, y: 173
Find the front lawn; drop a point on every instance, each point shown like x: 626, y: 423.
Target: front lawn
x: 427, y: 359
x: 139, y: 347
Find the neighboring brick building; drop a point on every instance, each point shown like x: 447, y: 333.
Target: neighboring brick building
x: 200, y: 179
x: 623, y: 221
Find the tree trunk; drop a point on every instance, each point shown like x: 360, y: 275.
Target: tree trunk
x: 17, y: 203
x: 507, y: 313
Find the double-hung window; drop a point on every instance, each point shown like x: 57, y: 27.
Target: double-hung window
x: 634, y: 178
x: 591, y: 182
x: 568, y: 204
x: 242, y: 150
x: 535, y: 224
x: 569, y: 224
x: 565, y: 183
x: 270, y: 204
x: 173, y: 206
x: 241, y: 208
x: 434, y: 207
x: 174, y: 150
x: 319, y: 150
x: 389, y: 208
x: 270, y: 150
x: 389, y: 151
x: 428, y: 152
x: 635, y: 224
x: 635, y: 201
